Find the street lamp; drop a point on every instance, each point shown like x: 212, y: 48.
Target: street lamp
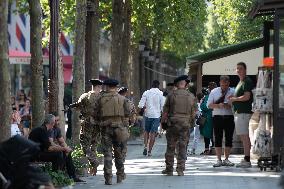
x: 146, y: 52
x: 141, y: 46
x: 151, y: 73
x: 151, y: 57
x: 157, y: 60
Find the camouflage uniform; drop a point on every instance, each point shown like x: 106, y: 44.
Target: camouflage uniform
x: 130, y: 120
x: 89, y: 135
x: 111, y: 111
x: 181, y: 110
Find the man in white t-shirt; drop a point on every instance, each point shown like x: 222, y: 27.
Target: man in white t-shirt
x: 223, y: 119
x: 153, y: 101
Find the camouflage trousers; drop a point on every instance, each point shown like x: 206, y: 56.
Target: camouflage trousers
x: 114, y: 142
x: 89, y: 138
x: 177, y: 134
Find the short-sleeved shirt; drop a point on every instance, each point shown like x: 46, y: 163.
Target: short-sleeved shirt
x: 153, y: 100
x: 243, y: 86
x: 54, y: 133
x: 40, y: 135
x: 214, y: 95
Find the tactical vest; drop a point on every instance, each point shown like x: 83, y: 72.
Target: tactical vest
x: 112, y: 105
x: 181, y: 103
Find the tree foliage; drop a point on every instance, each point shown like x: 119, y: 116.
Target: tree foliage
x: 179, y: 24
x: 229, y: 23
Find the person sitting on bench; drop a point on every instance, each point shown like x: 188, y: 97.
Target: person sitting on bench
x: 51, y: 152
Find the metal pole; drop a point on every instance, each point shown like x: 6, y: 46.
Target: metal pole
x: 53, y: 57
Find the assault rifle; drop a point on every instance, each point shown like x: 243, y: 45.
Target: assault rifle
x: 70, y: 106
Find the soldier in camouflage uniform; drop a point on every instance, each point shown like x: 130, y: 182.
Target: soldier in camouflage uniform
x: 123, y: 91
x: 111, y: 111
x: 179, y: 110
x: 89, y: 135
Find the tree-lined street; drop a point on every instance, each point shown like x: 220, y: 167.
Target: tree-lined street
x: 52, y: 50
x: 145, y: 173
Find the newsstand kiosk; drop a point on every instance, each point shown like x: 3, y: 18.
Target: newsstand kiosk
x: 274, y: 50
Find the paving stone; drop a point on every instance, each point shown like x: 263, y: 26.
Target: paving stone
x: 145, y: 173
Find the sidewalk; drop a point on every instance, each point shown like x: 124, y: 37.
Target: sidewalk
x: 145, y: 173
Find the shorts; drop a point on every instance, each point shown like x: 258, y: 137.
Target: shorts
x: 152, y: 124
x: 223, y: 124
x: 242, y: 123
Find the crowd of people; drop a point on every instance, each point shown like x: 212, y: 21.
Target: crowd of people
x: 107, y: 115
x: 22, y: 113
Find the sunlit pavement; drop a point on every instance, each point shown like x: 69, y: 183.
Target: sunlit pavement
x: 145, y: 173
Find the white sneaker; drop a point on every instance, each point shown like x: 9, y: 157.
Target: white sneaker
x: 227, y: 162
x: 191, y: 152
x: 244, y: 164
x: 218, y: 164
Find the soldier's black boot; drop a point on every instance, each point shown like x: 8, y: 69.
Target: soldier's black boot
x: 119, y: 178
x: 167, y: 172
x: 123, y: 176
x: 180, y: 173
x: 108, y: 181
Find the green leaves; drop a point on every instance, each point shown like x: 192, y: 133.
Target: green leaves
x: 179, y: 24
x: 229, y: 23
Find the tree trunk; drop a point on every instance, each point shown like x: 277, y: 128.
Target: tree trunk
x: 5, y: 81
x: 116, y: 38
x: 53, y: 56
x: 78, y: 84
x: 136, y: 85
x: 125, y: 67
x: 92, y: 42
x: 154, y: 65
x: 36, y: 62
x: 60, y: 101
x: 159, y: 64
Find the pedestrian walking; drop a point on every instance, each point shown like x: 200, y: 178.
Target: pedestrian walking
x: 130, y: 120
x: 223, y: 119
x: 153, y: 101
x: 111, y: 111
x: 179, y: 111
x: 242, y: 103
x: 90, y: 131
x: 196, y: 129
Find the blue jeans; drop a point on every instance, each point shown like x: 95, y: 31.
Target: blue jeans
x: 152, y: 124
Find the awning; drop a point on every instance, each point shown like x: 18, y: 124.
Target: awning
x: 19, y: 57
x: 265, y: 7
x: 67, y: 68
x: 222, y: 61
x: 24, y: 58
x: 227, y: 65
